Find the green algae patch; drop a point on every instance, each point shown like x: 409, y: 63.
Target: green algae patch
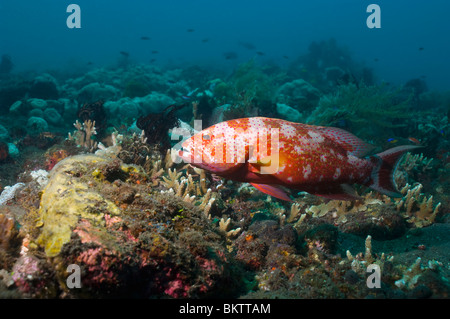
x: 69, y: 196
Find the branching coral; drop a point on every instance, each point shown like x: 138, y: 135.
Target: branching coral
x: 416, y: 207
x: 340, y: 208
x: 413, y: 273
x: 224, y: 225
x: 84, y: 134
x: 361, y: 261
x: 189, y: 190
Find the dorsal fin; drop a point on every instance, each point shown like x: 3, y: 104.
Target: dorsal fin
x: 348, y: 141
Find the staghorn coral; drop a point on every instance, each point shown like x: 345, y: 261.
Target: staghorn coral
x: 416, y: 207
x: 413, y: 273
x: 83, y: 136
x: 224, y: 225
x: 341, y: 209
x: 182, y: 185
x: 360, y: 262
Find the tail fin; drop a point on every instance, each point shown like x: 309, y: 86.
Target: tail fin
x: 384, y: 166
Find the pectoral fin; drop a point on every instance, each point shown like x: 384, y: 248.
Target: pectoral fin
x: 272, y: 191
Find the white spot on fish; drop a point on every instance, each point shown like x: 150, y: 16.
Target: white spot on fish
x: 323, y: 158
x: 256, y: 123
x: 289, y: 179
x: 288, y: 130
x: 316, y: 137
x: 298, y: 149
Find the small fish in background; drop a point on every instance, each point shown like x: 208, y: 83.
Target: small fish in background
x: 190, y: 95
x: 414, y: 140
x: 285, y: 57
x: 392, y: 140
x: 124, y: 53
x: 230, y: 55
x: 421, y: 48
x: 152, y: 60
x: 376, y: 59
x: 260, y: 53
x: 145, y: 38
x: 205, y: 40
x: 320, y: 160
x: 155, y: 52
x: 190, y: 30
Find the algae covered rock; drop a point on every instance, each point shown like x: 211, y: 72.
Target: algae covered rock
x: 126, y: 237
x: 66, y: 199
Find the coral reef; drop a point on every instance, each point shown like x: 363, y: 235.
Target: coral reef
x: 113, y: 200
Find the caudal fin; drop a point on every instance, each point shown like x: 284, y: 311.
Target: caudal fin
x: 385, y: 164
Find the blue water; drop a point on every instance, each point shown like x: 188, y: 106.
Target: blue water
x: 412, y: 41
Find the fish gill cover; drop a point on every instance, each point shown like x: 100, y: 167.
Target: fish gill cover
x: 238, y: 149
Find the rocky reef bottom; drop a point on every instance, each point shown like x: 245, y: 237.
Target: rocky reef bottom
x: 97, y: 227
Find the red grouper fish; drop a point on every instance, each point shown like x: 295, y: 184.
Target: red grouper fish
x: 270, y: 153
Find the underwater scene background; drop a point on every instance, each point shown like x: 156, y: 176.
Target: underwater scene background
x: 95, y: 202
